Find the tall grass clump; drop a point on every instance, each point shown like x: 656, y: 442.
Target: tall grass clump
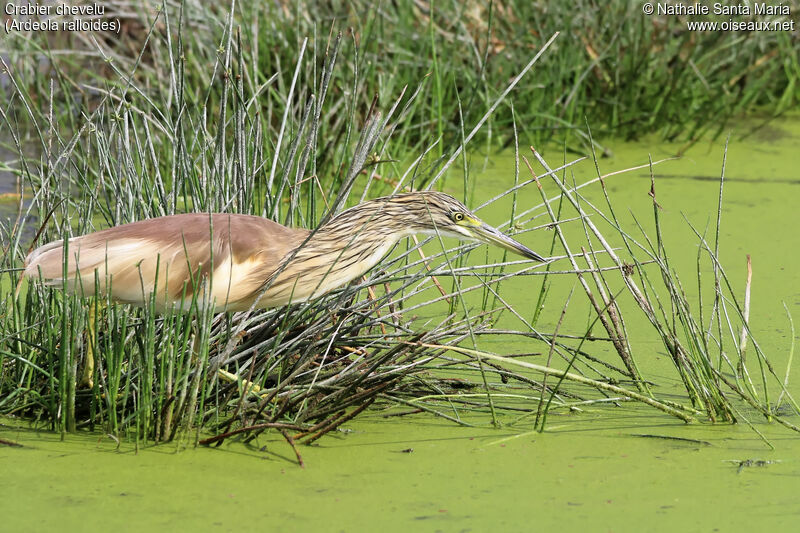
x: 235, y: 141
x: 241, y: 111
x: 706, y: 340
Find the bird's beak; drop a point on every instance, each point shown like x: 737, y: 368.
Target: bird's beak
x: 486, y: 233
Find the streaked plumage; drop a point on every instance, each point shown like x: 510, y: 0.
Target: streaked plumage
x: 239, y: 260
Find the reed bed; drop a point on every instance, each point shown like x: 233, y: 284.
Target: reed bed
x: 625, y: 72
x: 297, y: 142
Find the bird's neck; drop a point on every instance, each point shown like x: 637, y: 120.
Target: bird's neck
x: 335, y: 254
x: 351, y: 249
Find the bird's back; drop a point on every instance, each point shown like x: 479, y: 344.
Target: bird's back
x: 230, y: 255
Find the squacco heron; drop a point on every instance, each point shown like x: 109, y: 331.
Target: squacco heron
x: 235, y: 262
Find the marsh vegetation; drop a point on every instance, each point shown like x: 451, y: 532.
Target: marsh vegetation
x: 293, y: 113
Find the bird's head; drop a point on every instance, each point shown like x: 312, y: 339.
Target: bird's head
x: 434, y: 212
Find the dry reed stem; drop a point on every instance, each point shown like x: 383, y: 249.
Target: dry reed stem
x: 746, y: 310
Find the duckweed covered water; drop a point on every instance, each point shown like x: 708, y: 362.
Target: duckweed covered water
x: 611, y: 471
x: 626, y: 468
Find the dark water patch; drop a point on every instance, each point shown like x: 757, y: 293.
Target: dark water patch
x: 715, y: 179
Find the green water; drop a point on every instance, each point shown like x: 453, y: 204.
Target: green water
x: 589, y: 469
x: 604, y: 468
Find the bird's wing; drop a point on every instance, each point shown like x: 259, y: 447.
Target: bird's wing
x: 226, y: 257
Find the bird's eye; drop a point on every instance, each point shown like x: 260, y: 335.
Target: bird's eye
x: 458, y: 217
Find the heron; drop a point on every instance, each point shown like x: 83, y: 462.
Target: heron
x: 237, y: 262
x: 248, y: 261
